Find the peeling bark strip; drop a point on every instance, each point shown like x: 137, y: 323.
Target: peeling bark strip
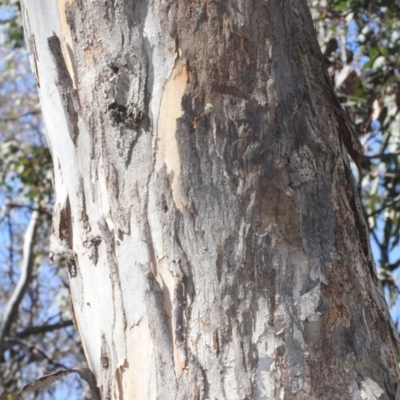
x: 66, y: 90
x: 167, y: 145
x: 221, y: 250
x: 50, y: 378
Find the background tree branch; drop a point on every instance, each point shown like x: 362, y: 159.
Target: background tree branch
x: 25, y: 275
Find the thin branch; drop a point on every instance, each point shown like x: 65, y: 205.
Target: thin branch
x: 26, y: 271
x: 41, y: 209
x: 34, y: 349
x: 35, y: 330
x: 389, y: 204
x: 17, y: 117
x: 383, y: 155
x: 394, y: 265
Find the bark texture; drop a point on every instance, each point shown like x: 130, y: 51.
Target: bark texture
x: 205, y: 201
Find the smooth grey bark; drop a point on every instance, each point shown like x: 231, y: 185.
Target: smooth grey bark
x: 205, y: 201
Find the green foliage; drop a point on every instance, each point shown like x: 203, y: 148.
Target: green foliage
x: 27, y: 168
x: 12, y: 23
x: 8, y: 397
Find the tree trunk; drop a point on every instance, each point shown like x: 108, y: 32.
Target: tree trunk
x: 204, y: 198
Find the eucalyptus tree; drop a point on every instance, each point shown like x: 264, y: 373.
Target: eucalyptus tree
x: 205, y: 201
